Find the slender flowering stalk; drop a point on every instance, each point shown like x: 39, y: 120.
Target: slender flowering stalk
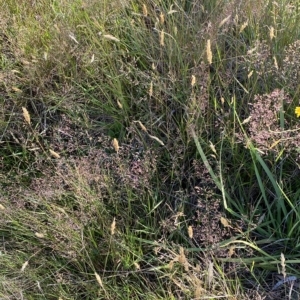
x: 297, y: 111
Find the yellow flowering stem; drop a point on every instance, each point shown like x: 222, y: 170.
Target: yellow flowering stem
x: 297, y: 111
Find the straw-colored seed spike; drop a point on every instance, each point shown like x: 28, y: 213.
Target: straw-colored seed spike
x: 119, y: 104
x: 145, y: 10
x: 231, y: 251
x: 15, y: 89
x: 193, y: 81
x: 208, y: 52
x: 137, y: 266
x: 250, y: 74
x: 151, y: 89
x: 39, y: 235
x: 198, y: 292
x: 54, y: 154
x: 212, y: 147
x: 175, y: 30
x: 24, y: 266
x: 156, y: 139
x: 181, y: 257
x: 99, y: 280
x: 210, y: 272
x: 272, y: 33
x: 162, y: 18
x: 115, y: 144
x: 282, y: 260
x: 190, y: 232
x: 111, y: 37
x: 141, y: 125
x: 275, y: 62
x: 26, y: 115
x: 244, y: 25
x: 113, y: 227
x: 224, y: 21
x: 2, y: 207
x: 162, y: 38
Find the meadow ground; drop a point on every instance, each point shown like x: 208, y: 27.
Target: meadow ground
x: 149, y: 149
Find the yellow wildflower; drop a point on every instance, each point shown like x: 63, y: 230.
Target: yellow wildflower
x: 297, y: 111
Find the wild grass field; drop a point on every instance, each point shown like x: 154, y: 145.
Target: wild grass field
x: 149, y: 149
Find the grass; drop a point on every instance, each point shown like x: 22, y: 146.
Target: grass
x: 149, y: 150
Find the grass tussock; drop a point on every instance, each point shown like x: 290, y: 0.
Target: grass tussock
x: 149, y: 150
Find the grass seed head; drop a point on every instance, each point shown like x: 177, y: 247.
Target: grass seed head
x: 111, y: 37
x: 162, y: 38
x: 39, y: 235
x: 282, y: 263
x: 151, y: 89
x: 244, y: 25
x: 210, y: 272
x: 193, y: 81
x: 119, y: 104
x: 54, y: 154
x: 26, y: 115
x: 162, y: 18
x: 145, y: 10
x: 272, y: 33
x: 99, y: 280
x: 141, y: 125
x: 275, y: 62
x: 115, y: 144
x: 208, y: 52
x: 190, y: 232
x: 24, y: 266
x: 113, y: 227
